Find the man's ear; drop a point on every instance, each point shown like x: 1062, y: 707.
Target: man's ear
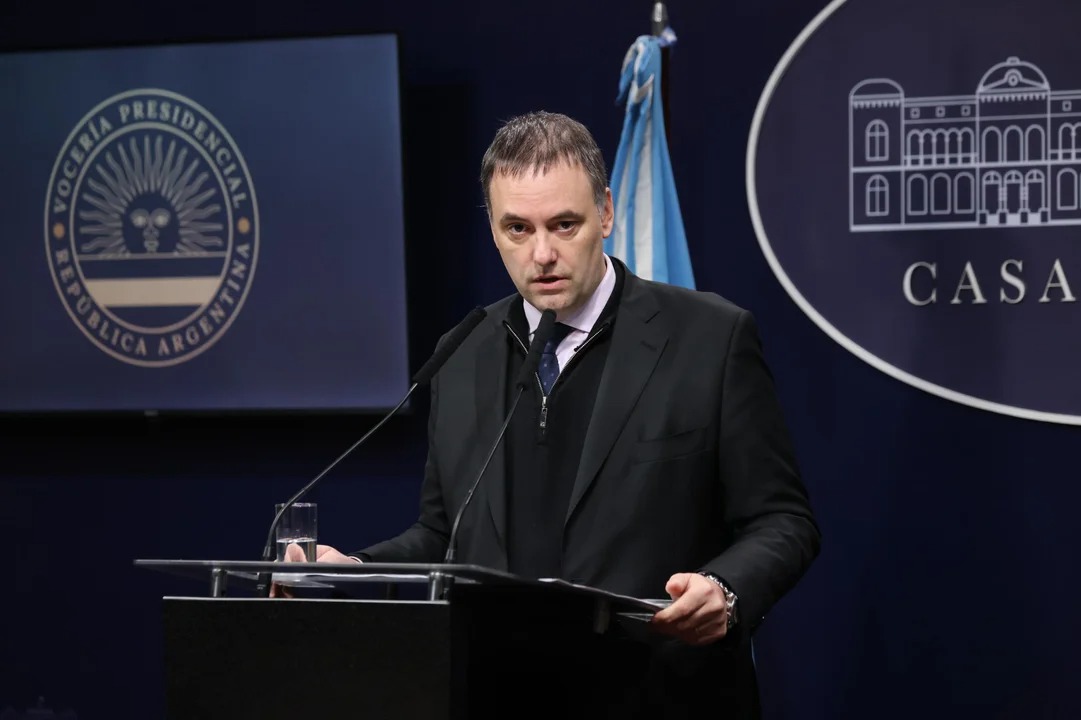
x: 608, y: 214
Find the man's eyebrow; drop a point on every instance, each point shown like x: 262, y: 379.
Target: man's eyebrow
x: 562, y: 215
x: 569, y: 215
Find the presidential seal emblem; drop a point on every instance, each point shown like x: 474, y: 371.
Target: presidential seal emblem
x: 151, y: 228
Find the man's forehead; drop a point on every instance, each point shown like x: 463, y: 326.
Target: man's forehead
x: 537, y: 169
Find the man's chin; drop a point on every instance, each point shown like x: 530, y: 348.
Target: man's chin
x: 548, y: 302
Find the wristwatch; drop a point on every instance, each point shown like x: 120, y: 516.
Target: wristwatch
x: 730, y: 598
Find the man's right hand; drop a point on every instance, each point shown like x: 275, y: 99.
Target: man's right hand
x: 323, y: 554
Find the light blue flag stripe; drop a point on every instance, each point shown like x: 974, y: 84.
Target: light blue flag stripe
x: 648, y: 234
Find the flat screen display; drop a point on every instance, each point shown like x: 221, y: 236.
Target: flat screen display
x: 202, y: 226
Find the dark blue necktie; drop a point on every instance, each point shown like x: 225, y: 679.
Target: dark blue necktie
x: 548, y: 370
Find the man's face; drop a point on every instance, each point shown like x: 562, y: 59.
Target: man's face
x: 550, y: 235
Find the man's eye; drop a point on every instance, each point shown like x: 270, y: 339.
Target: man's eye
x: 516, y: 228
x: 566, y: 225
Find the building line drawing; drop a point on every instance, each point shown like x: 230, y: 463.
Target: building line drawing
x: 1007, y: 156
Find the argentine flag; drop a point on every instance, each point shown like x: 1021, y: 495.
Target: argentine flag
x: 648, y: 234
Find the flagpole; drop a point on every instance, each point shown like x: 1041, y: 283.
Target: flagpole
x: 659, y: 21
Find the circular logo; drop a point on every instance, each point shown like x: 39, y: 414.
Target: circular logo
x: 923, y: 208
x: 151, y: 228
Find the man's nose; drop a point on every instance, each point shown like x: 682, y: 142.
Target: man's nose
x: 544, y: 253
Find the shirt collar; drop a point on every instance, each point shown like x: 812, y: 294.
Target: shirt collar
x: 585, y: 317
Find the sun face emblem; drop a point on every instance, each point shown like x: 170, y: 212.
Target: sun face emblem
x: 151, y: 198
x: 151, y: 223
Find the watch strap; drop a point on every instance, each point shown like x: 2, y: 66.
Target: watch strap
x: 730, y: 598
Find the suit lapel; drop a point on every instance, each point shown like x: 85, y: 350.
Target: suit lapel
x: 490, y: 381
x: 636, y: 347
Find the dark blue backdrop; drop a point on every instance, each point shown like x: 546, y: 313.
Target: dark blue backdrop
x: 946, y: 585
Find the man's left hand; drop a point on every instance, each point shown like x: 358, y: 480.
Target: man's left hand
x: 698, y: 614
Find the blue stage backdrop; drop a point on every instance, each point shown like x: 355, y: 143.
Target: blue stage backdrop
x: 203, y: 226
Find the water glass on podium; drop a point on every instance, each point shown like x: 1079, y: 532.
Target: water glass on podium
x: 297, y: 526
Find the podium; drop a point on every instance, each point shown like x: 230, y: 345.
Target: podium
x: 382, y: 641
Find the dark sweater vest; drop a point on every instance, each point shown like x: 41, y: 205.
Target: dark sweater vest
x: 541, y: 462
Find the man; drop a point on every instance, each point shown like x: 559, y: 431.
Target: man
x: 649, y: 458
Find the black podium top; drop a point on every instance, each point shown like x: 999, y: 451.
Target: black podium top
x: 246, y: 574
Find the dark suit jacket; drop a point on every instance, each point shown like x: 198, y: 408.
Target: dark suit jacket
x: 687, y: 466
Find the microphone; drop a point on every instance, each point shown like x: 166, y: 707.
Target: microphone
x: 529, y: 367
x: 427, y: 371
x: 532, y: 359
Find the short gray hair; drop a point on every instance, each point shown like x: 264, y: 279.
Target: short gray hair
x: 538, y: 140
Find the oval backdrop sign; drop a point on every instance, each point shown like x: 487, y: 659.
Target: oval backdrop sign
x: 914, y: 180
